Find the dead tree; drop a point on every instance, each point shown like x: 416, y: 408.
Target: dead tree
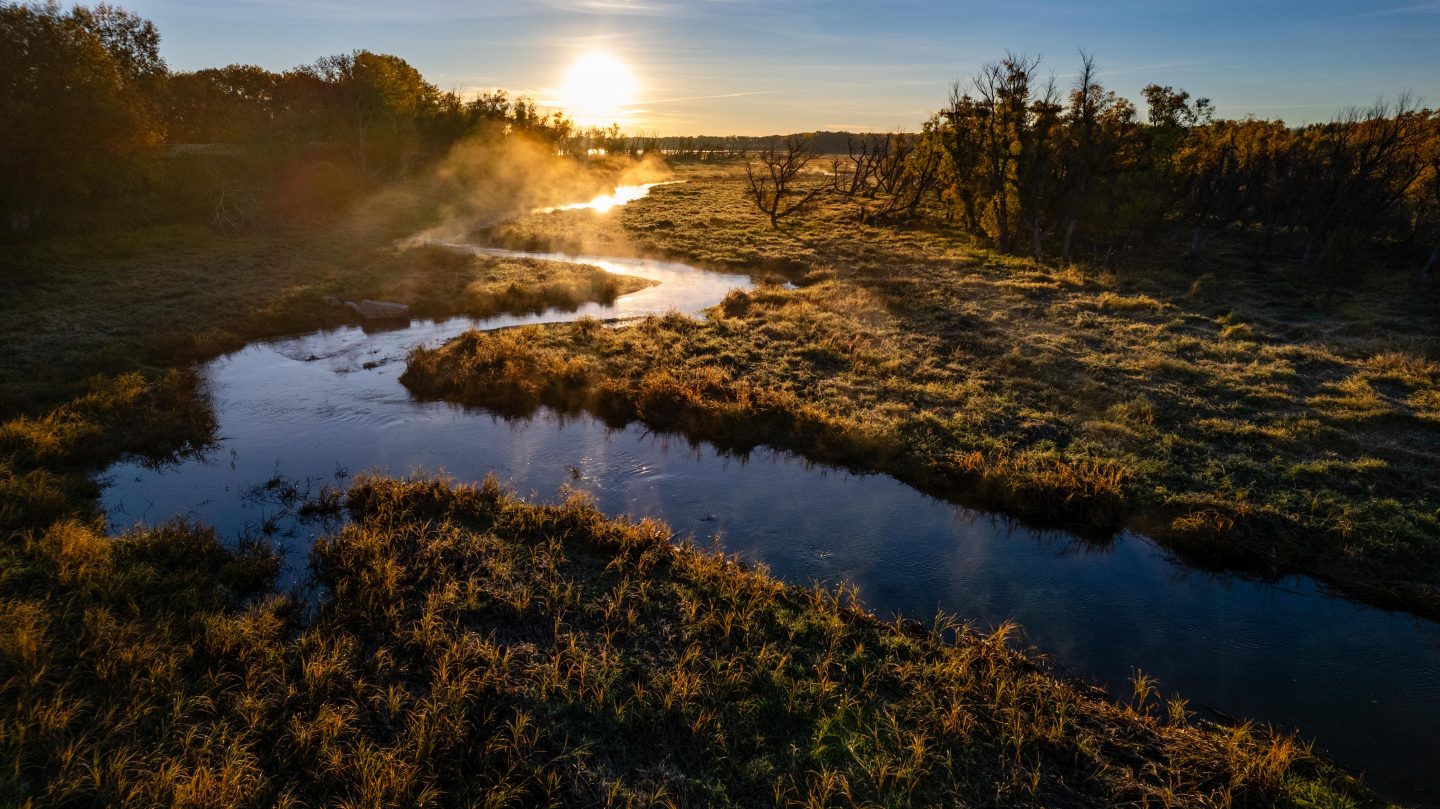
x: 866, y: 155
x: 772, y: 172
x: 910, y: 182
x: 893, y: 162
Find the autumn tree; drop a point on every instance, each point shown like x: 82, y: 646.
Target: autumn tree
x: 1039, y: 172
x: 1353, y: 174
x: 220, y: 105
x: 1001, y: 108
x: 382, y: 98
x: 76, y: 103
x: 1100, y: 133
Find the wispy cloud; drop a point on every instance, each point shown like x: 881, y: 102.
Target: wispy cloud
x: 642, y: 7
x: 377, y: 11
x: 1422, y: 8
x: 611, y: 6
x: 705, y: 98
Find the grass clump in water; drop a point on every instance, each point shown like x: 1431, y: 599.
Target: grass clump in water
x: 438, y: 281
x: 46, y: 460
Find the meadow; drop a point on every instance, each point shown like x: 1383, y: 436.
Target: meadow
x: 1267, y: 401
x: 450, y: 625
x: 100, y: 334
x: 1246, y: 418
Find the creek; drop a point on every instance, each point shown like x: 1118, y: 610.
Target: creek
x: 316, y: 409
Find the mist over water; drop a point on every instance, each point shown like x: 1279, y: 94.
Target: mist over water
x: 322, y: 407
x: 605, y: 202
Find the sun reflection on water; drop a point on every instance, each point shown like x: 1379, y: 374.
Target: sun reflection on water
x: 604, y: 202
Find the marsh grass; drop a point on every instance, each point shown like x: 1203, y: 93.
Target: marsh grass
x: 166, y: 296
x: 472, y: 649
x: 92, y: 335
x: 46, y: 460
x: 1227, y: 410
x: 438, y: 281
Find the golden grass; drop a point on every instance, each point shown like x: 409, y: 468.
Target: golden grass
x: 46, y: 460
x: 1236, y: 416
x: 161, y: 303
x: 469, y: 649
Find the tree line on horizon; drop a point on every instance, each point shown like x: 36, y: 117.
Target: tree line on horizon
x: 87, y: 105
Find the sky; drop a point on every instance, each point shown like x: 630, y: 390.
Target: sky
x: 767, y: 66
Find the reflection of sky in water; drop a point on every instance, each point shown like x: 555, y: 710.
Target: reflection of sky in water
x: 1365, y: 683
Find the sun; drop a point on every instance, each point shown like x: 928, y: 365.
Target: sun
x: 597, y: 90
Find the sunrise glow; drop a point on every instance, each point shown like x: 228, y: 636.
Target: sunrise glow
x: 597, y: 90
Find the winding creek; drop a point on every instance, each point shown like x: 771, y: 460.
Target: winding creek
x: 1362, y: 682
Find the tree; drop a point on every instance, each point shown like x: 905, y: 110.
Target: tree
x: 1427, y: 191
x: 1039, y: 171
x: 1099, y: 124
x: 383, y: 99
x: 221, y: 105
x: 964, y: 144
x: 772, y: 171
x: 76, y: 103
x: 1002, y: 110
x: 1353, y: 174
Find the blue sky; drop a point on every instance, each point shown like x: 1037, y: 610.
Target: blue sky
x: 752, y: 66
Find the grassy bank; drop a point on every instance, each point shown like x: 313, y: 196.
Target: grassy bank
x: 1232, y: 410
x: 166, y: 296
x: 95, y: 331
x: 468, y: 648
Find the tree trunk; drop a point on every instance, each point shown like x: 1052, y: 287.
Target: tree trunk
x: 1003, y: 220
x: 1069, y: 239
x: 1434, y: 261
x: 364, y: 159
x: 1197, y: 241
x: 1309, y: 253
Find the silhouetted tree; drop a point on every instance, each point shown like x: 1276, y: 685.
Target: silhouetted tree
x: 220, y: 105
x: 772, y: 172
x: 76, y: 101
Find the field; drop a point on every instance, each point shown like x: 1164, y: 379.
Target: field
x: 1243, y: 423
x: 1247, y: 419
x: 1156, y: 376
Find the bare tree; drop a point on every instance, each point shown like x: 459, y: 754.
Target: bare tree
x: 867, y: 153
x: 772, y: 172
x: 1087, y: 103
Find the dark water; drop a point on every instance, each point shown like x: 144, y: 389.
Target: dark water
x: 1364, y: 683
